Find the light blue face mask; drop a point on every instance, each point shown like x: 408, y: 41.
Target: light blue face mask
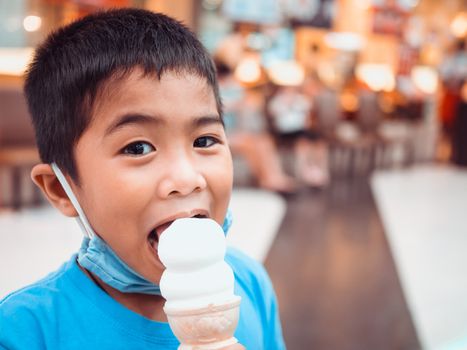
x: 96, y: 256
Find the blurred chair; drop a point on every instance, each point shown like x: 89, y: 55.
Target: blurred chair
x: 398, y: 144
x: 18, y: 151
x: 355, y: 146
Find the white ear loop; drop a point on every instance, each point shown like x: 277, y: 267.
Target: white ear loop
x: 82, y: 220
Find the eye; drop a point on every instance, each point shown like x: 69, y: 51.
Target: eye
x: 138, y: 148
x: 205, y: 142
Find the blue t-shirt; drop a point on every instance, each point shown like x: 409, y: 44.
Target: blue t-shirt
x: 66, y: 310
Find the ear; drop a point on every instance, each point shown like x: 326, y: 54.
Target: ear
x: 44, y: 177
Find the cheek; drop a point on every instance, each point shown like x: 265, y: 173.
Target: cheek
x: 117, y: 199
x: 220, y: 173
x: 219, y: 176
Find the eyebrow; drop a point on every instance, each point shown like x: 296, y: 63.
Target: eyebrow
x: 136, y: 118
x: 199, y: 122
x: 133, y: 118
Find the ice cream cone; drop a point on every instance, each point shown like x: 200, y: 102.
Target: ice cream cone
x: 198, y: 285
x: 208, y: 328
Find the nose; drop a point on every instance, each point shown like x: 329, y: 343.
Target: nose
x: 181, y: 177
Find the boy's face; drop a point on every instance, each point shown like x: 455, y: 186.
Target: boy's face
x: 155, y: 151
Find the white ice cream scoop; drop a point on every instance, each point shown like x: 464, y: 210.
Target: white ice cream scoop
x: 191, y: 243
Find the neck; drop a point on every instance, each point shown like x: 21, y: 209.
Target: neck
x: 149, y: 306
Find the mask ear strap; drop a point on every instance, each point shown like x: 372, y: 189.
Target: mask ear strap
x: 82, y: 220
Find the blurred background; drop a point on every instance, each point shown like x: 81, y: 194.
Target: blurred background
x: 347, y: 121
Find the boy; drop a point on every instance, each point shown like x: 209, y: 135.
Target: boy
x: 125, y: 103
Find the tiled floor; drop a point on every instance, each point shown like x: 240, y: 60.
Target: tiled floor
x: 424, y: 211
x: 334, y: 274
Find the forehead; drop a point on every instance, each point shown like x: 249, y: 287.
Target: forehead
x: 172, y: 94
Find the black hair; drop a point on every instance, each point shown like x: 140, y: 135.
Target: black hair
x: 73, y: 64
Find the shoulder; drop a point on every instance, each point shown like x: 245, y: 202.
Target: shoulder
x: 30, y: 295
x: 49, y: 285
x: 20, y: 314
x: 24, y: 312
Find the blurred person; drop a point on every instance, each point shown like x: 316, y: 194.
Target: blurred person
x: 245, y: 128
x: 292, y: 119
x: 459, y: 134
x: 453, y: 73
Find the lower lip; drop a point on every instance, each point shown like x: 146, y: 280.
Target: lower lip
x: 154, y: 253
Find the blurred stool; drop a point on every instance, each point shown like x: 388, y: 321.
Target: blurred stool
x: 355, y: 152
x: 17, y: 148
x: 398, y: 146
x: 18, y: 161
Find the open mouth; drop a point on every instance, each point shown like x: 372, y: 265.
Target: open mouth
x: 153, y: 237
